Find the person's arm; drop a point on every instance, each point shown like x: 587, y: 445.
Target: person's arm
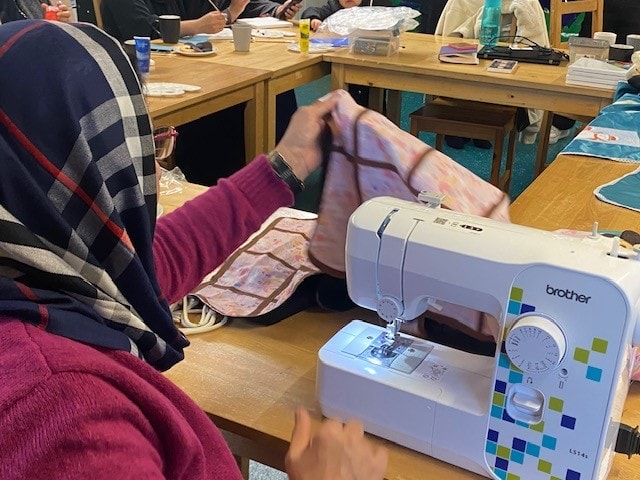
x: 212, y: 22
x: 124, y: 19
x: 194, y: 239
x: 259, y: 8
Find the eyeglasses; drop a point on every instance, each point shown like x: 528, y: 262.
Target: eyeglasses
x: 165, y: 142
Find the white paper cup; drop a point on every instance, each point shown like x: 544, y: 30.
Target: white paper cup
x: 610, y: 37
x: 241, y: 36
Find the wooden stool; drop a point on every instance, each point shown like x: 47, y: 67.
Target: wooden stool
x: 476, y: 120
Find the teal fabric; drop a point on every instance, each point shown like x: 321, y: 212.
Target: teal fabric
x: 621, y: 119
x: 624, y: 191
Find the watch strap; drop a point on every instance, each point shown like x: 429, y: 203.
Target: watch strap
x: 284, y: 172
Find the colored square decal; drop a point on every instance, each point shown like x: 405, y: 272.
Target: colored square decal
x: 500, y: 386
x: 581, y: 355
x: 555, y: 478
x: 544, y: 466
x: 493, y: 435
x: 496, y: 412
x: 533, y: 449
x: 513, y: 476
x: 517, y: 457
x: 548, y: 442
x: 599, y: 345
x: 515, y: 377
x: 568, y: 422
x: 522, y: 424
x: 513, y: 308
x: 491, y: 448
x: 527, y: 308
x: 504, y: 361
x: 507, y: 418
x: 503, y: 452
x: 538, y: 427
x: 498, y: 399
x: 572, y: 475
x: 518, y: 444
x: 594, y: 373
x: 501, y: 463
x: 501, y: 474
x: 516, y: 294
x: 556, y: 404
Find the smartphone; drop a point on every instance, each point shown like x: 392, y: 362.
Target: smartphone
x: 462, y: 46
x: 284, y: 10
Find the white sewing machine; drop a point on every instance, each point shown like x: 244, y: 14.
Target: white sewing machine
x: 547, y: 404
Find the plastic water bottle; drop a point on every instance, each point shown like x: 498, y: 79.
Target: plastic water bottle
x: 490, y: 26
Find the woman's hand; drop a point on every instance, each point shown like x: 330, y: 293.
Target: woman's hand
x: 288, y: 9
x: 336, y: 451
x: 300, y: 144
x: 63, y: 13
x: 212, y: 22
x: 315, y: 24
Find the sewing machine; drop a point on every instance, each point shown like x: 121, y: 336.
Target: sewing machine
x: 546, y: 405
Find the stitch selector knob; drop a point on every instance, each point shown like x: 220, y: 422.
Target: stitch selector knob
x: 535, y: 344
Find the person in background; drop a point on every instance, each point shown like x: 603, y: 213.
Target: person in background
x: 12, y: 10
x: 321, y: 12
x: 124, y: 19
x: 87, y: 275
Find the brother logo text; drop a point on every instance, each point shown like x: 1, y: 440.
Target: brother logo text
x: 568, y: 294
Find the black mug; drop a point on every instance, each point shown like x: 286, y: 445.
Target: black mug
x: 620, y: 52
x: 170, y: 28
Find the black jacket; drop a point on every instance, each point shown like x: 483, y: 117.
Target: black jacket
x: 124, y: 19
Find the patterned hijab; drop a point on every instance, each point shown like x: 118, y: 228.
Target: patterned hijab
x: 78, y: 192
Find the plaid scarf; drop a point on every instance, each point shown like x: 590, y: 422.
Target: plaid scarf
x: 77, y: 192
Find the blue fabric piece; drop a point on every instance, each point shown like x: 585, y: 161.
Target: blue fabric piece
x: 78, y: 192
x: 615, y: 132
x: 624, y: 191
x: 333, y: 41
x: 193, y: 39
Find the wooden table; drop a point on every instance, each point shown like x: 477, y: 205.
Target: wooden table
x: 249, y: 378
x: 416, y: 68
x: 287, y: 71
x: 222, y: 87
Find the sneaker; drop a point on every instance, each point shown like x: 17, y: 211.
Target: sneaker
x: 455, y: 142
x: 556, y: 134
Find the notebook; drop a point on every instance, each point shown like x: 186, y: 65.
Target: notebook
x: 449, y: 54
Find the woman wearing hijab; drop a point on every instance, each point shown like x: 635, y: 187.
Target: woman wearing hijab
x: 86, y: 276
x: 11, y: 10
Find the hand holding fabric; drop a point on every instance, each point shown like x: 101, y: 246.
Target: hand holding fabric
x: 300, y: 144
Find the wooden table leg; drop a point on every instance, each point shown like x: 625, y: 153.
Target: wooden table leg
x: 254, y: 124
x: 543, y: 144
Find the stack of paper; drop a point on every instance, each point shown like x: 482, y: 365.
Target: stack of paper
x: 591, y: 72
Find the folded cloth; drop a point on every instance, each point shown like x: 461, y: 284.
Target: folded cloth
x: 370, y: 157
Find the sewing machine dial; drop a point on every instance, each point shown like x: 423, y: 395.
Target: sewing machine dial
x: 535, y: 344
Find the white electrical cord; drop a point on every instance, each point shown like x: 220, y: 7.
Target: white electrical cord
x: 209, y: 318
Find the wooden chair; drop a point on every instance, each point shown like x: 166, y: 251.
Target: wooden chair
x: 558, y: 8
x: 98, y: 13
x: 473, y: 120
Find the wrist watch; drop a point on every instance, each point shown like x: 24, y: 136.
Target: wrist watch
x: 284, y: 172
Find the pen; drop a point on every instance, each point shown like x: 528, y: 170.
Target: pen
x: 214, y: 6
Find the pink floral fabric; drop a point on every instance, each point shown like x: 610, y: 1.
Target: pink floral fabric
x: 265, y: 271
x: 372, y: 157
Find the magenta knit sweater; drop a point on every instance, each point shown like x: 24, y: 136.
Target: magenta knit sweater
x: 72, y: 411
